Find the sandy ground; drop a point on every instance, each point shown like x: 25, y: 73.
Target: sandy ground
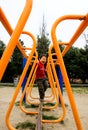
x: 17, y: 115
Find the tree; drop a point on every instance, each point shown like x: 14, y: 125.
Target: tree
x: 71, y: 59
x: 14, y: 67
x: 76, y: 61
x: 42, y: 40
x: 17, y: 60
x: 2, y: 47
x: 83, y: 63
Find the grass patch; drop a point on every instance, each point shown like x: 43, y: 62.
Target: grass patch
x: 26, y: 105
x: 86, y: 90
x: 30, y: 106
x: 25, y: 125
x: 49, y: 104
x: 80, y: 90
x: 45, y: 117
x: 17, y: 103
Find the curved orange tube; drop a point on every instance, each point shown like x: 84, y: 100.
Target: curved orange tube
x: 60, y: 55
x: 14, y: 37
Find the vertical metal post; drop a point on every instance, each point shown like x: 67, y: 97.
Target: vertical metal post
x: 60, y: 79
x: 24, y: 81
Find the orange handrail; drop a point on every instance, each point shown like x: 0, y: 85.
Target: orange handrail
x: 25, y: 89
x: 14, y: 37
x: 9, y: 29
x: 20, y: 83
x: 80, y: 29
x: 9, y: 50
x: 59, y: 92
x: 53, y: 87
x: 14, y: 41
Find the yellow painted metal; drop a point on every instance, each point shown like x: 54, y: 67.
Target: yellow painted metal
x: 14, y: 37
x: 29, y: 83
x: 14, y: 41
x: 53, y: 87
x: 78, y: 32
x: 60, y: 55
x: 32, y: 80
x: 28, y: 102
x: 31, y: 87
x: 29, y: 90
x: 58, y: 92
x: 5, y: 22
x: 20, y: 82
x: 9, y: 29
x: 51, y: 78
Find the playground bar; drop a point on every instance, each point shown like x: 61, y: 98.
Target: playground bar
x: 14, y: 37
x: 52, y: 75
x: 61, y: 62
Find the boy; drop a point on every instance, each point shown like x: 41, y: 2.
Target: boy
x: 41, y: 78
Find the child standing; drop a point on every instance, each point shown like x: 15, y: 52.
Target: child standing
x: 41, y: 78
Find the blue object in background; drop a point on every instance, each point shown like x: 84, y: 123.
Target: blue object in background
x: 24, y: 81
x: 60, y: 79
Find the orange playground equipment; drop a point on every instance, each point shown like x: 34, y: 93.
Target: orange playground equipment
x: 32, y: 59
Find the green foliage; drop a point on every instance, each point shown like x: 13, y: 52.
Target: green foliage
x: 42, y: 45
x: 17, y: 103
x: 2, y: 47
x: 83, y: 63
x: 14, y: 67
x: 17, y: 60
x: 76, y: 61
x: 26, y: 105
x: 49, y: 104
x: 25, y: 125
x: 31, y: 106
x: 80, y: 90
x: 49, y: 117
x: 9, y: 73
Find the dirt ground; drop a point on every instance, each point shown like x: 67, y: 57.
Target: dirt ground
x: 17, y: 115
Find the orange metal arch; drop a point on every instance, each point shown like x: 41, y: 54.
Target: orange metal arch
x: 20, y: 83
x: 15, y: 35
x: 60, y: 55
x: 50, y: 66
